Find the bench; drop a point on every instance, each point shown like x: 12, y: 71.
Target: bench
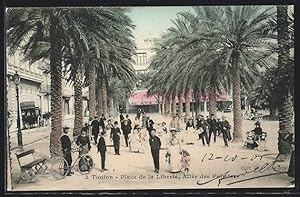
x: 31, y: 165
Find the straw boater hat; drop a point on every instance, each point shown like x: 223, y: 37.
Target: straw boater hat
x: 173, y: 129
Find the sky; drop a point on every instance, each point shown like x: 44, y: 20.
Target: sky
x: 152, y: 21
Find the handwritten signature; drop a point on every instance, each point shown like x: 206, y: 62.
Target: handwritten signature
x: 268, y: 166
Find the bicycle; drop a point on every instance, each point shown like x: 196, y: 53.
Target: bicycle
x: 83, y: 162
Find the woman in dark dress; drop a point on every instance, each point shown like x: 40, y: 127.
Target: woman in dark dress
x: 84, y: 142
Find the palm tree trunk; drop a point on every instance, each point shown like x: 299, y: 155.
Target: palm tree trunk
x: 104, y: 97
x: 159, y: 107
x: 110, y: 105
x: 92, y: 89
x: 286, y: 110
x: 163, y: 105
x: 174, y: 103
x: 187, y: 104
x: 180, y: 105
x: 78, y: 105
x: 236, y: 94
x: 212, y: 101
x: 167, y: 103
x: 56, y: 88
x: 100, y: 100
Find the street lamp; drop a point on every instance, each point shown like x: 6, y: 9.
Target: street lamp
x: 17, y: 79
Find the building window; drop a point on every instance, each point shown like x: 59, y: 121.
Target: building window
x: 141, y: 58
x: 67, y: 106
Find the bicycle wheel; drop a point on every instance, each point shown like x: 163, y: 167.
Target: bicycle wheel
x: 85, y: 164
x: 59, y: 168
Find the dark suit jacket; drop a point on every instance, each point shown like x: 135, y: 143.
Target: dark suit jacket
x: 213, y: 124
x: 154, y: 143
x: 101, y: 123
x: 101, y: 144
x: 149, y: 124
x: 95, y: 127
x: 114, y: 133
x: 225, y: 124
x: 202, y: 124
x: 126, y: 129
x: 65, y: 143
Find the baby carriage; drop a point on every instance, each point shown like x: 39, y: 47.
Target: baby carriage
x: 255, y: 141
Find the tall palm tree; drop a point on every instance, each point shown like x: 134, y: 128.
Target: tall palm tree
x: 240, y: 36
x: 28, y: 28
x: 92, y: 89
x: 232, y: 37
x: 285, y: 76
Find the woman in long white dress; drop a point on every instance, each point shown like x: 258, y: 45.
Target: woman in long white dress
x: 134, y: 142
x: 142, y: 133
x: 164, y: 136
x: 174, y: 150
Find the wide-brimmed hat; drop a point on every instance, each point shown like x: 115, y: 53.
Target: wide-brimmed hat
x: 173, y: 129
x: 257, y: 123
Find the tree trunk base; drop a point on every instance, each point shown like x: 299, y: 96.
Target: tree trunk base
x: 281, y: 157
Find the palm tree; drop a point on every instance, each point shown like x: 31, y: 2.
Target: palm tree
x: 240, y: 38
x: 285, y: 76
x: 28, y: 28
x: 92, y: 89
x: 234, y: 39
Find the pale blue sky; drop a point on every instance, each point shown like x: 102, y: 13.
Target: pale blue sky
x: 152, y: 21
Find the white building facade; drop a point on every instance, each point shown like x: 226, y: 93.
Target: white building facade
x: 34, y: 87
x: 144, y: 53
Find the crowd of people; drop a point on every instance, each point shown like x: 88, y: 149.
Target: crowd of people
x: 171, y: 140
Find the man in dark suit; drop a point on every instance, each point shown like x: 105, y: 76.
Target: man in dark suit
x: 202, y: 125
x: 102, y: 122
x: 102, y: 149
x: 225, y: 129
x: 149, y: 125
x: 155, y: 144
x: 66, y: 148
x: 126, y: 131
x: 95, y: 129
x: 128, y: 119
x: 138, y: 114
x: 115, y: 137
x: 213, y: 126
